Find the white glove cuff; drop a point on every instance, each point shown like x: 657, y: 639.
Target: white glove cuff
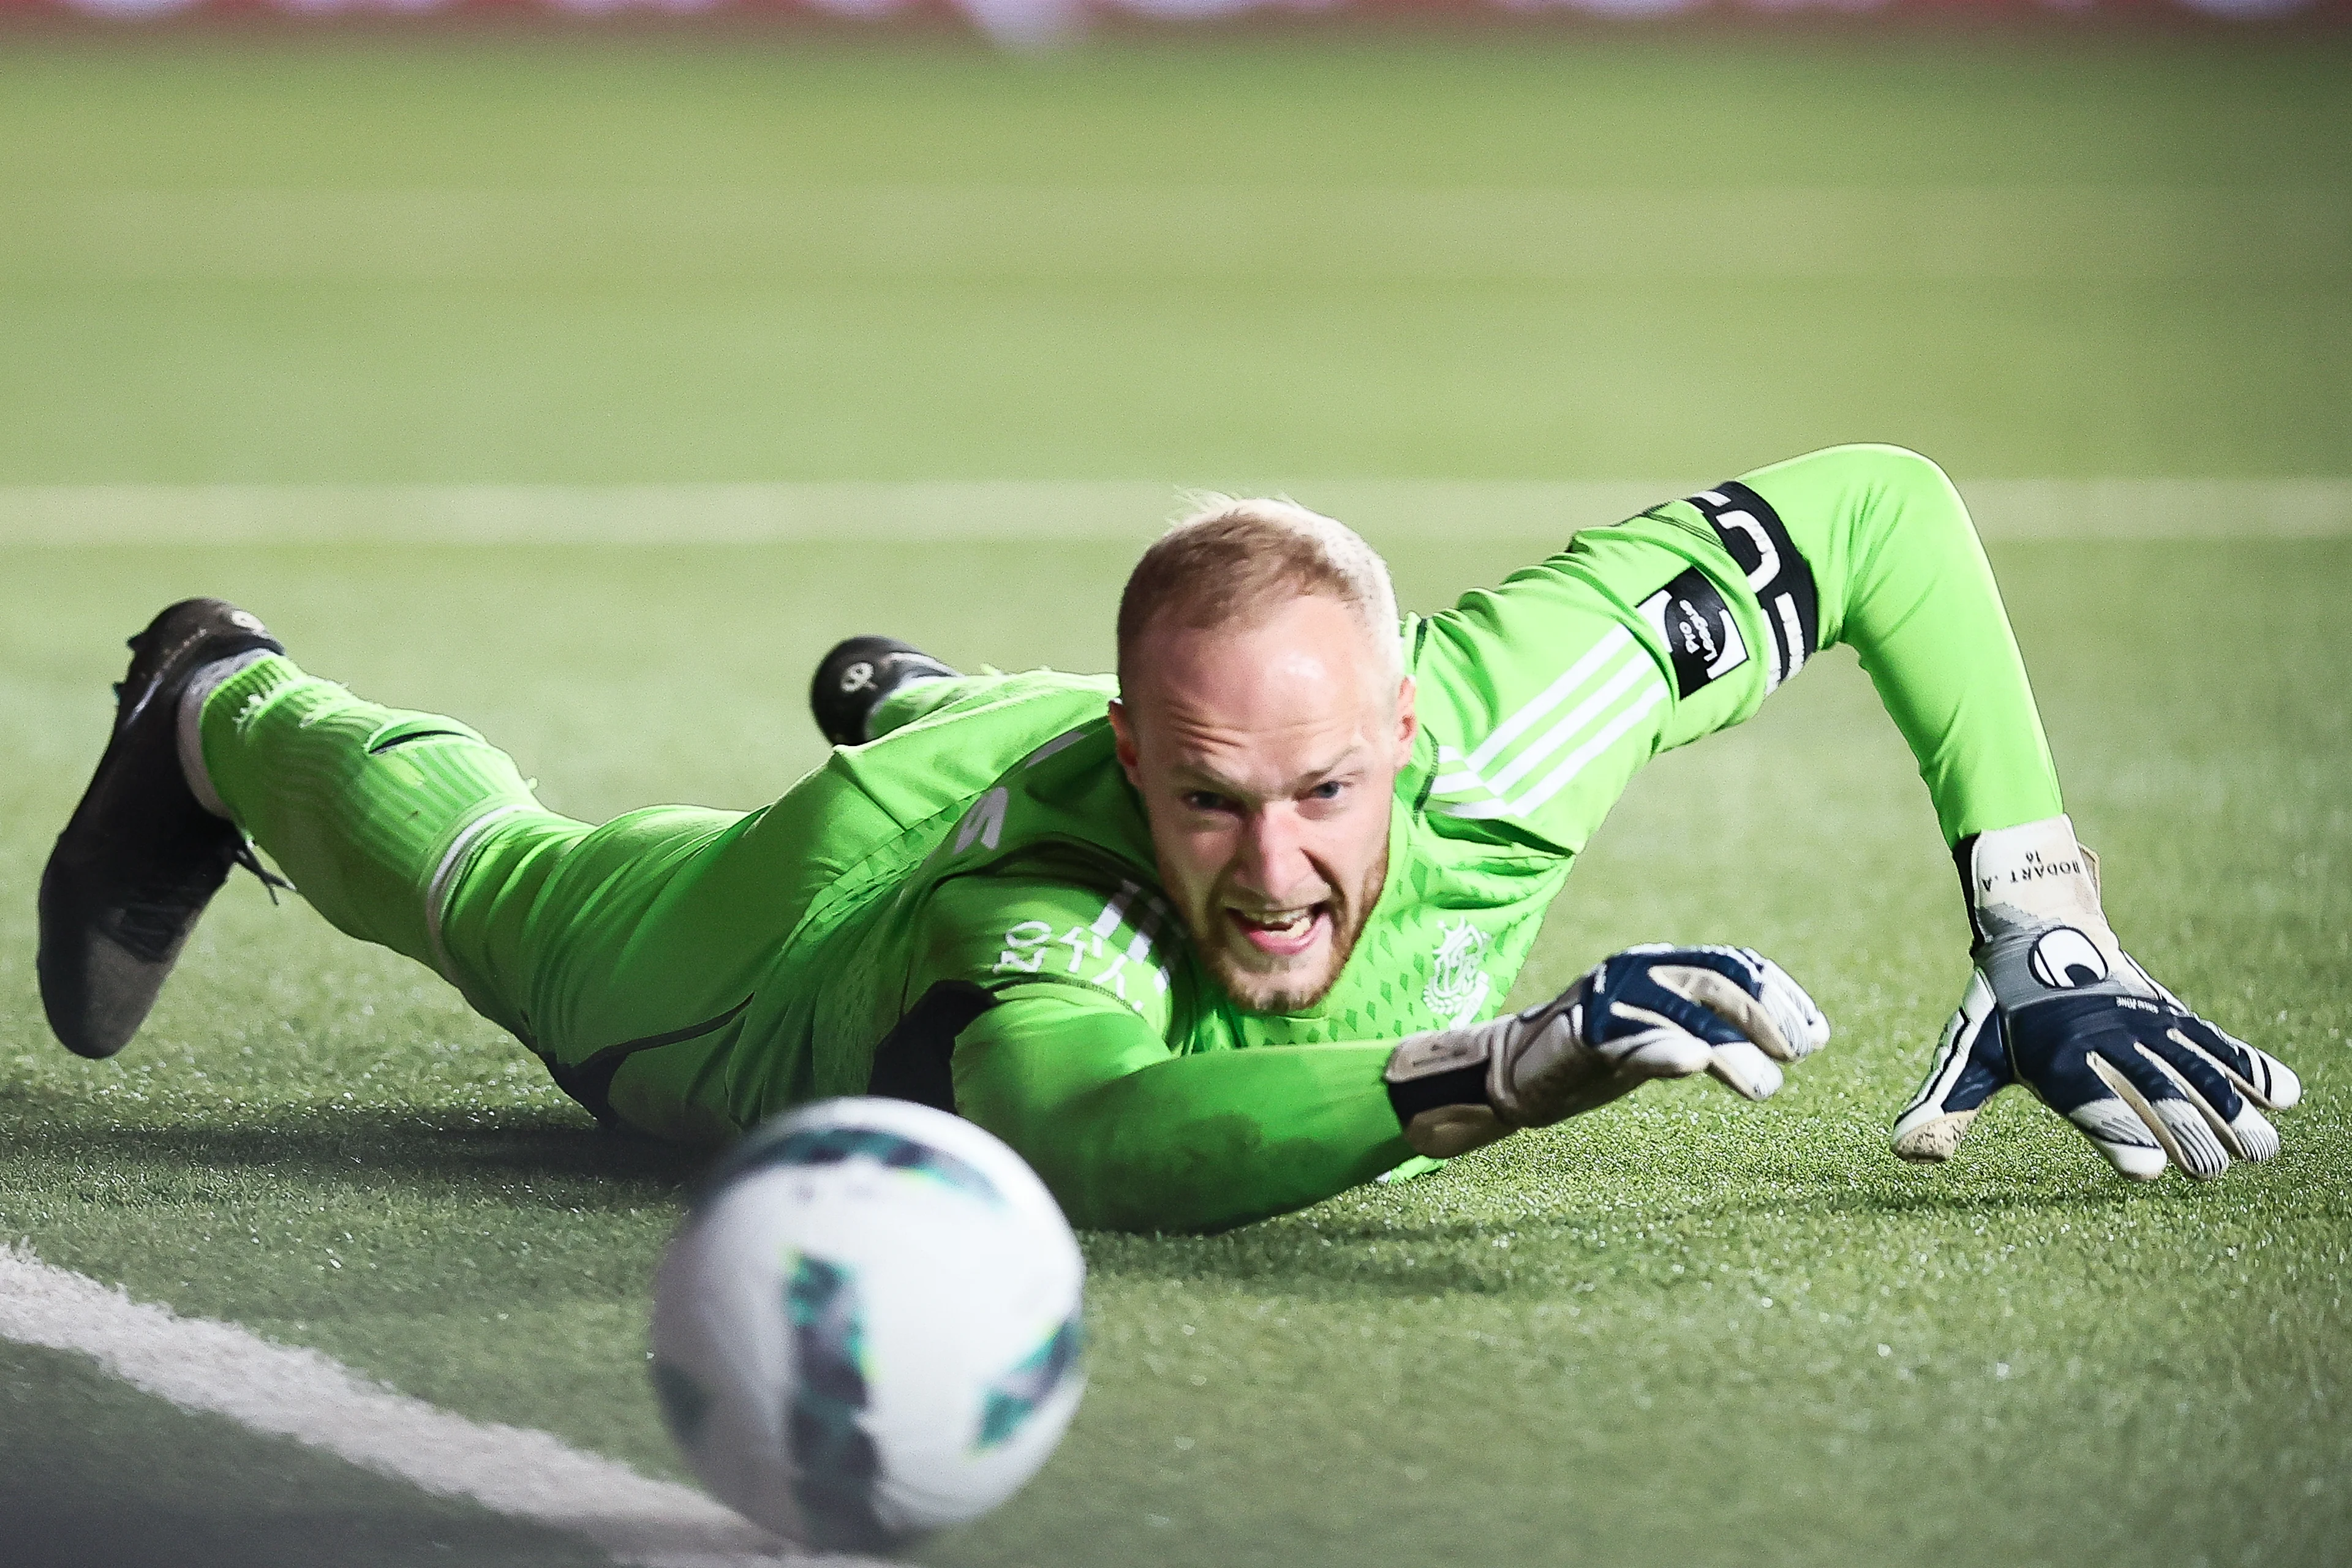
x: 2034, y: 895
x: 2030, y: 877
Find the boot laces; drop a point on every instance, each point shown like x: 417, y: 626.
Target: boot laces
x: 270, y: 880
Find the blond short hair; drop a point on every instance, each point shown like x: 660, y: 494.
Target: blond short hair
x: 1233, y: 561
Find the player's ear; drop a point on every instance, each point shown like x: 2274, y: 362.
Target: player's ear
x: 1123, y: 728
x: 1408, y: 725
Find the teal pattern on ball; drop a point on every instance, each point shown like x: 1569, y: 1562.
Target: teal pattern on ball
x: 1017, y: 1395
x: 835, y: 1459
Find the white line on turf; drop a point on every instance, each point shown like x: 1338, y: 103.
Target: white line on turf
x: 1398, y: 512
x: 289, y: 1392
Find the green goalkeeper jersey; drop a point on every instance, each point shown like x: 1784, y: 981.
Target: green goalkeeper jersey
x: 966, y: 911
x: 1030, y: 957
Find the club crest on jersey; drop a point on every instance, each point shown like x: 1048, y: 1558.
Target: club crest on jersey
x: 1458, y: 981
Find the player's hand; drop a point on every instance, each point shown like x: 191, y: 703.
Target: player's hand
x: 1647, y: 1013
x: 2057, y: 1006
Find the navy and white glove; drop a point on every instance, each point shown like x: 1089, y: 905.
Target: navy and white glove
x: 2057, y: 1006
x: 1646, y: 1013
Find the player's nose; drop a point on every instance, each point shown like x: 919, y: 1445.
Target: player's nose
x: 1273, y: 864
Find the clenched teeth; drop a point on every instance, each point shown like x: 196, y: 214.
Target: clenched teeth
x: 1276, y: 919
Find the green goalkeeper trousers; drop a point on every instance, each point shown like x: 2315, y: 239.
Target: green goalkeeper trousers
x: 624, y: 955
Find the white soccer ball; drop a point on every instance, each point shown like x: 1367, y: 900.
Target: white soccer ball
x: 868, y: 1326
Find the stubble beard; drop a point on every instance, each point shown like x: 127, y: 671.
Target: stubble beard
x: 1284, y: 991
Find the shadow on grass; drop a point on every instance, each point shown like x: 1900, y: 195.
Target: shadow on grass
x: 1397, y: 1252
x: 556, y: 1161
x: 1338, y: 1259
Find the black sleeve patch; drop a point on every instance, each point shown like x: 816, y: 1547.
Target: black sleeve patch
x: 1700, y: 635
x: 1752, y: 531
x: 915, y: 1059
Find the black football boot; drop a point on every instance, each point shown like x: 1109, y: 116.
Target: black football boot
x: 139, y: 859
x: 856, y: 675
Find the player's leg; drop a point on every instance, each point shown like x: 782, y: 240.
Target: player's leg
x: 727, y: 975
x: 653, y: 962
x: 854, y: 679
x: 590, y: 944
x: 627, y: 957
x: 387, y: 821
x: 403, y: 829
x: 867, y: 687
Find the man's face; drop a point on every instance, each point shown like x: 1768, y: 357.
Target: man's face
x: 1266, y: 756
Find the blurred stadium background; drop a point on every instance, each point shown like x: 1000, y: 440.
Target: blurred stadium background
x: 275, y: 252
x: 1028, y: 23
x: 583, y: 371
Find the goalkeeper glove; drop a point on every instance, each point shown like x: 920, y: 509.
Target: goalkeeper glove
x: 1648, y: 1012
x: 2057, y: 1006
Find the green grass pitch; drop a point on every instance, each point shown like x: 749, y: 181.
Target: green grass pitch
x: 1683, y: 1330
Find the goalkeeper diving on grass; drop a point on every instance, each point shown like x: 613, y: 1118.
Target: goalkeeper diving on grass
x: 1216, y: 938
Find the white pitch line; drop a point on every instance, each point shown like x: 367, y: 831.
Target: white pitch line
x: 290, y: 1392
x: 1387, y: 512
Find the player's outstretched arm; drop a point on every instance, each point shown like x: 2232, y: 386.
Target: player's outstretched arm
x: 1130, y: 1137
x: 2054, y: 1004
